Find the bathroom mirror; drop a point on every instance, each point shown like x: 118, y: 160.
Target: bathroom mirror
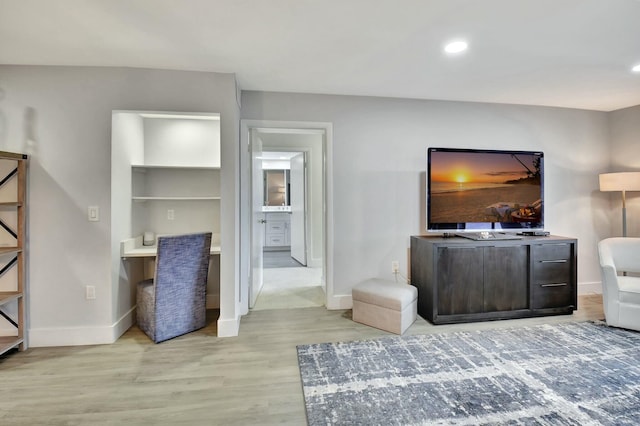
x: 276, y: 188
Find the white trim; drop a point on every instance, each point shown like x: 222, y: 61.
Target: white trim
x: 71, y: 336
x: 215, y: 117
x: 78, y: 336
x: 124, y: 323
x: 314, y: 262
x: 341, y: 301
x: 328, y: 187
x: 345, y: 301
x: 590, y: 288
x: 228, y: 327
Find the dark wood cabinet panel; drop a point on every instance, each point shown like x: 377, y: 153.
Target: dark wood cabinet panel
x: 506, y: 278
x: 461, y: 280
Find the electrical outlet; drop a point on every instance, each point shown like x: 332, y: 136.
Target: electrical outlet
x: 395, y: 266
x: 90, y: 292
x: 171, y: 214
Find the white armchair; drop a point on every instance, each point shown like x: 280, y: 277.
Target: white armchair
x: 621, y: 293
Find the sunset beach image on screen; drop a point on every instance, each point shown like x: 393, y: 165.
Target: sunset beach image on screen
x: 484, y: 187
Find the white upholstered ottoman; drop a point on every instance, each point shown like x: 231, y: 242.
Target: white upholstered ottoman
x: 385, y: 305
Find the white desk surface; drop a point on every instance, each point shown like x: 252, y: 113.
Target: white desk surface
x: 133, y: 248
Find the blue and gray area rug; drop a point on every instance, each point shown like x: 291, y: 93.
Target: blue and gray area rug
x: 566, y: 374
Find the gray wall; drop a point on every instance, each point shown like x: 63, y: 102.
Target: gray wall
x: 625, y: 157
x: 61, y: 117
x: 379, y: 154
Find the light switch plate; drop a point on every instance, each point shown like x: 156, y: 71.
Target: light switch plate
x: 93, y: 213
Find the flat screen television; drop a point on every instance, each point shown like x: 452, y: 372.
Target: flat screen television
x: 484, y: 190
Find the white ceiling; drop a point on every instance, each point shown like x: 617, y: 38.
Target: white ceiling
x: 566, y: 53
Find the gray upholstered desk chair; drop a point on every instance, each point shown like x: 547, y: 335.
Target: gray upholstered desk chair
x: 173, y: 302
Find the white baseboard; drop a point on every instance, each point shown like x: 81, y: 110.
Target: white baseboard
x: 80, y: 336
x: 590, y: 288
x: 344, y: 301
x: 339, y: 301
x: 124, y: 323
x: 315, y: 262
x: 228, y: 327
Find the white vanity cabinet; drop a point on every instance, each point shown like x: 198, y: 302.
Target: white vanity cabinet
x: 277, y: 229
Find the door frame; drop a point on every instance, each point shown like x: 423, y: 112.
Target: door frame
x: 257, y: 224
x: 244, y: 196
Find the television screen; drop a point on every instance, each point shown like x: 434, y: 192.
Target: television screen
x: 469, y: 189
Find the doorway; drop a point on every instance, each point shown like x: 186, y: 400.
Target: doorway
x: 291, y: 279
x: 292, y: 270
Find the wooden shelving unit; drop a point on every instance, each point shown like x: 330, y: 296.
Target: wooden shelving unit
x: 12, y: 242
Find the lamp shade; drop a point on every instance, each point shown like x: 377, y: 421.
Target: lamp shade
x: 621, y: 181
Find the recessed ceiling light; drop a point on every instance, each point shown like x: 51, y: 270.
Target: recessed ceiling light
x: 636, y: 68
x: 456, y: 46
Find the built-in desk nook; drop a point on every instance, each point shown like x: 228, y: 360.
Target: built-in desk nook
x: 165, y: 181
x: 462, y: 280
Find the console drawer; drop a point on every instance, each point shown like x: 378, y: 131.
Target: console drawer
x: 546, y: 252
x: 551, y: 295
x: 552, y: 280
x: 551, y: 271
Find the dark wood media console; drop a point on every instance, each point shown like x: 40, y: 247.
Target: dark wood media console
x: 462, y: 280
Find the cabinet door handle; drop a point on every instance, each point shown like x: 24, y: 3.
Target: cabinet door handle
x: 554, y: 261
x: 459, y: 248
x: 553, y: 285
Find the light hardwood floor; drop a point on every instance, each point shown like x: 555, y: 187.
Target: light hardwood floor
x: 197, y: 379
x: 287, y: 288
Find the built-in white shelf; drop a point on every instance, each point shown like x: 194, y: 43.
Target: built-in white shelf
x: 143, y: 167
x: 175, y: 198
x: 175, y: 183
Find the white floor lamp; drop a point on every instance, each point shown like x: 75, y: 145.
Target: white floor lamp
x: 621, y: 181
